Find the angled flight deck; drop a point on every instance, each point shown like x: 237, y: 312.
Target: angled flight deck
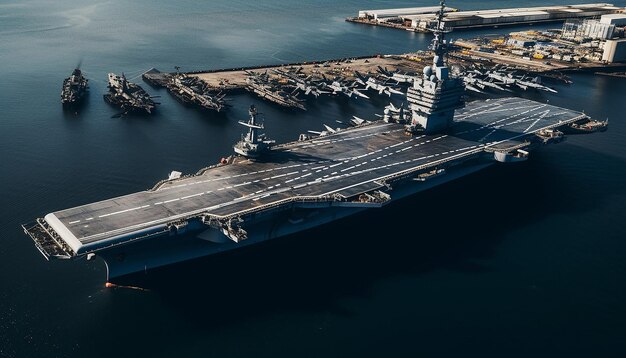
x: 347, y: 163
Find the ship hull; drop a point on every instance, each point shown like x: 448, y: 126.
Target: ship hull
x: 111, y: 99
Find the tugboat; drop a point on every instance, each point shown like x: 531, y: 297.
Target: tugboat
x: 74, y: 88
x: 252, y: 144
x: 586, y: 125
x: 128, y: 96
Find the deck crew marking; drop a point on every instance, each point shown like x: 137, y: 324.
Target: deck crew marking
x: 123, y: 211
x: 191, y: 196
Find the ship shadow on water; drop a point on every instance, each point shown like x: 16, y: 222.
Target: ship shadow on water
x: 205, y: 117
x: 455, y: 227
x: 73, y: 111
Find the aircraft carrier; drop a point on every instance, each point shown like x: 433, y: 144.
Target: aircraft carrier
x: 268, y: 191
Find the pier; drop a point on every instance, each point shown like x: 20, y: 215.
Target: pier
x: 281, y: 84
x: 231, y: 79
x: 321, y: 74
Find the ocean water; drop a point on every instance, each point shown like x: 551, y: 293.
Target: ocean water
x: 521, y: 260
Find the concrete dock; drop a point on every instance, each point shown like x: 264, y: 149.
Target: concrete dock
x: 236, y: 78
x: 232, y: 79
x: 281, y: 84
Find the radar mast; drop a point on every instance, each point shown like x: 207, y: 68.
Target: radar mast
x: 252, y: 144
x: 434, y: 97
x: 438, y: 44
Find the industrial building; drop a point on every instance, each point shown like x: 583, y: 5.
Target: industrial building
x: 596, y: 30
x: 614, y: 51
x: 604, y: 28
x: 422, y: 19
x: 467, y: 19
x: 391, y: 14
x: 618, y: 20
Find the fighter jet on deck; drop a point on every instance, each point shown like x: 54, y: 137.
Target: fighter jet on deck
x: 371, y: 82
x: 395, y: 76
x: 305, y: 85
x: 338, y: 86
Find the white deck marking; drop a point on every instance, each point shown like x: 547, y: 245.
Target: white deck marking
x: 124, y: 211
x: 191, y: 196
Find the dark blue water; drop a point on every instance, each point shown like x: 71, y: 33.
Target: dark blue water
x: 526, y: 260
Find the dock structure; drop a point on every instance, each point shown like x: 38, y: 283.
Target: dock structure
x: 413, y: 20
x: 236, y: 78
x: 281, y: 84
x: 387, y: 14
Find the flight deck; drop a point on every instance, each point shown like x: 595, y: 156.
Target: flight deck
x: 337, y: 167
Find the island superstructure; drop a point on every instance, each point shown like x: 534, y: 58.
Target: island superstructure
x: 300, y: 185
x: 253, y: 144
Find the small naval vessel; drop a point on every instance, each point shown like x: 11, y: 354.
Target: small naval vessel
x: 74, y: 88
x: 268, y: 191
x: 261, y: 85
x: 192, y: 90
x: 129, y: 96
